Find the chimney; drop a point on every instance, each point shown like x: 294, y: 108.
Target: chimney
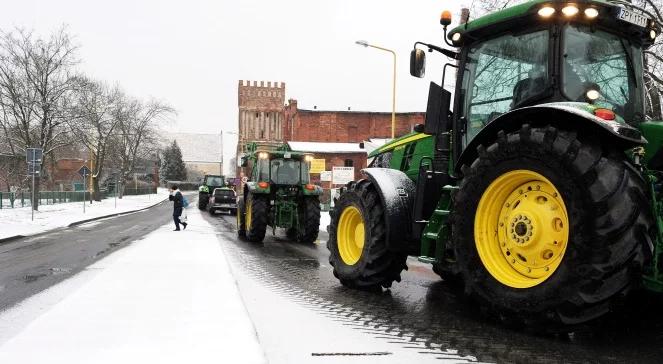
x: 315, y: 107
x: 464, y: 15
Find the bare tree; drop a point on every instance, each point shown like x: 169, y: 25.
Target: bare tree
x: 137, y: 136
x: 94, y: 123
x: 36, y: 77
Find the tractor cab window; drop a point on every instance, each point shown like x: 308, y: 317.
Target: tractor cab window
x: 603, y: 62
x: 261, y: 171
x: 501, y: 74
x: 288, y: 172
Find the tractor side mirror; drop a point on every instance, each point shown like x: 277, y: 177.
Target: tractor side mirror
x: 417, y: 63
x: 437, y: 110
x: 245, y: 162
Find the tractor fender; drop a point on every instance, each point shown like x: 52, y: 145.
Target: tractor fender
x: 572, y: 116
x: 253, y: 187
x: 396, y: 192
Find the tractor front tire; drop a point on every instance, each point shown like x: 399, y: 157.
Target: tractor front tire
x: 309, y: 220
x: 550, y: 229
x: 357, y: 240
x: 255, y: 217
x: 202, y: 200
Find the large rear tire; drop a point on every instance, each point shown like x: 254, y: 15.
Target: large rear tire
x: 357, y: 240
x: 550, y: 229
x: 202, y: 200
x: 309, y: 219
x: 255, y: 217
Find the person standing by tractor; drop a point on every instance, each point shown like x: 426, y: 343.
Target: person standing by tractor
x: 178, y: 206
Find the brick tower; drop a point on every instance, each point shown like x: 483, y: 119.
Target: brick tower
x: 260, y: 113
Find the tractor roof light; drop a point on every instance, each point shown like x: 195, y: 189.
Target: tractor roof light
x: 605, y: 114
x: 308, y: 158
x: 591, y: 13
x: 546, y: 11
x: 263, y: 155
x: 570, y: 10
x: 445, y: 18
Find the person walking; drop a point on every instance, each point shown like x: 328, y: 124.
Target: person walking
x: 178, y: 206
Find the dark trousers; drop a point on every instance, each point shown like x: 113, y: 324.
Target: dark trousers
x: 176, y: 217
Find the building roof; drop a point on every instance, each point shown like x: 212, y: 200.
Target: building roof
x: 200, y: 148
x: 320, y: 147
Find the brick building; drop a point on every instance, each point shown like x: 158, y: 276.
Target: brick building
x: 344, y: 126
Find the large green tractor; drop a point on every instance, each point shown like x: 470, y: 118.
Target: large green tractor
x: 210, y: 182
x: 278, y: 194
x: 538, y: 191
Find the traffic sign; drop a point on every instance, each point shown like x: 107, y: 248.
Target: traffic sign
x: 84, y: 171
x: 34, y: 155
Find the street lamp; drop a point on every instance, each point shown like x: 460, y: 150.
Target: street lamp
x: 393, y: 92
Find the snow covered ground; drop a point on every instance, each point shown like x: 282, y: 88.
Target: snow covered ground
x: 17, y: 221
x: 325, y: 220
x: 168, y: 298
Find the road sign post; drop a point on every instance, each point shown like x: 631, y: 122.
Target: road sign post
x: 33, y: 156
x: 84, y: 172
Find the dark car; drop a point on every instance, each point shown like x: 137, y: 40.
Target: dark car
x: 222, y: 199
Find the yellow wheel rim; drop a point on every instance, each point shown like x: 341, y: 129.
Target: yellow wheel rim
x: 350, y: 235
x: 247, y: 218
x: 521, y: 229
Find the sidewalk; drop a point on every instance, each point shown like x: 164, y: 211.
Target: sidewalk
x: 18, y: 221
x: 169, y: 298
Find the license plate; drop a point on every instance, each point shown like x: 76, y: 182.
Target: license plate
x: 632, y: 17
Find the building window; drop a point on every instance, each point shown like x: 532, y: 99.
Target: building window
x: 348, y: 163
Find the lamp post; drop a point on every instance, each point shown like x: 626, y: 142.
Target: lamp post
x: 393, y: 91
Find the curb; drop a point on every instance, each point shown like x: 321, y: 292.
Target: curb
x: 17, y: 237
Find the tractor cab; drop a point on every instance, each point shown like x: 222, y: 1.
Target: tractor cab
x: 586, y: 57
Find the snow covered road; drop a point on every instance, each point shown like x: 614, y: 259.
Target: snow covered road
x: 169, y: 298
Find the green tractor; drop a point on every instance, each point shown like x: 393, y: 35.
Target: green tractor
x: 539, y: 191
x: 210, y: 182
x: 278, y: 194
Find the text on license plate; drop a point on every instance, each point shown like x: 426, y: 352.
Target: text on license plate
x: 632, y: 17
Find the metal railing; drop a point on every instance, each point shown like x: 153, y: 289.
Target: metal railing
x: 22, y: 199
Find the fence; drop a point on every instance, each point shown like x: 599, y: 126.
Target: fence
x: 22, y: 199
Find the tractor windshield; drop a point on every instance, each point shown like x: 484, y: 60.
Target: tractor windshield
x: 600, y: 61
x: 214, y: 181
x: 289, y: 172
x: 502, y: 74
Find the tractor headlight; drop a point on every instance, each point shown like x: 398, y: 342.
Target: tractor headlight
x: 592, y: 94
x: 546, y: 11
x: 263, y: 155
x: 570, y: 10
x: 591, y: 13
x: 652, y: 34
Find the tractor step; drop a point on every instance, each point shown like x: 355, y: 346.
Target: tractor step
x: 425, y: 259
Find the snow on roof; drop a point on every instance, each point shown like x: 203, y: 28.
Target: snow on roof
x: 320, y: 147
x: 205, y: 148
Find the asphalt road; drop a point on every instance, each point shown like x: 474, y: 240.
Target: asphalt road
x: 422, y: 308
x: 32, y: 264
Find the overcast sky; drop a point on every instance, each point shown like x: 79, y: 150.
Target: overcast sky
x: 192, y: 53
